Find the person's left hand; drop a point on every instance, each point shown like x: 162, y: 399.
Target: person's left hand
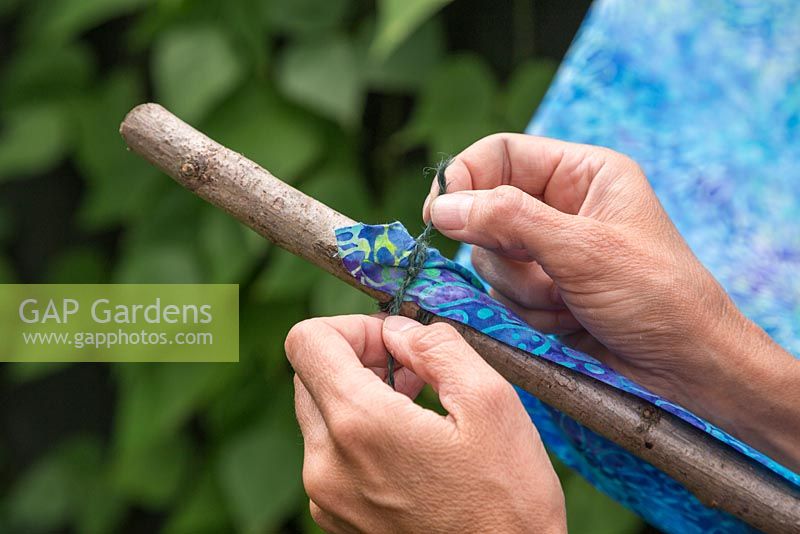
x: 377, y: 462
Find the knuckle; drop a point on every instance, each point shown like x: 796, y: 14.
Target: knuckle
x: 627, y: 163
x: 621, y: 164
x: 346, y: 428
x: 298, y: 334
x: 611, y: 156
x: 496, y: 139
x: 497, y: 391
x: 437, y: 337
x: 316, y: 512
x: 315, y: 482
x: 482, y: 260
x: 501, y: 212
x: 321, y: 517
x: 505, y: 202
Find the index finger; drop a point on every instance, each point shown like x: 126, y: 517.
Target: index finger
x: 329, y: 354
x: 556, y: 172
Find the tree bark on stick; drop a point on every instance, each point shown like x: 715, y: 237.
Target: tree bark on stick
x: 718, y: 475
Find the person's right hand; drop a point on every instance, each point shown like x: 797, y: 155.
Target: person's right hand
x: 573, y: 239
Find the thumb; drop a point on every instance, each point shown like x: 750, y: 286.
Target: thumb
x: 437, y: 354
x: 515, y: 224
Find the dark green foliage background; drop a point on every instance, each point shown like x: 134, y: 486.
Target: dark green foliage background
x: 347, y: 100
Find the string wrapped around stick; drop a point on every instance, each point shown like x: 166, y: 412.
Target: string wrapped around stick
x: 416, y: 261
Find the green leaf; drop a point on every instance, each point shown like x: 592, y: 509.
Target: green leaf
x: 286, y: 277
x: 7, y: 274
x: 49, y: 494
x: 245, y: 399
x: 228, y: 247
x: 410, y: 64
x: 260, y: 475
x: 332, y: 296
x: 248, y: 31
x: 428, y: 398
x: 46, y: 73
x: 403, y: 195
x: 28, y: 371
x: 6, y: 6
x: 7, y: 224
x: 34, y: 138
x: 161, y: 247
x: 155, y: 400
x: 455, y: 107
x: 119, y: 183
x: 305, y: 16
x: 199, y: 512
x: 194, y: 68
x: 525, y: 91
x: 101, y: 508
x: 397, y: 19
x: 151, y: 475
x: 272, y: 132
x: 42, y: 499
x: 60, y: 21
x: 78, y: 266
x: 308, y: 523
x: 563, y: 472
x: 169, y: 220
x: 338, y: 182
x: 161, y: 264
x: 592, y: 512
x: 324, y: 75
x: 264, y: 330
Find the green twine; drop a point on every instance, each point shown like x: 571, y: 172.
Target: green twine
x: 416, y: 261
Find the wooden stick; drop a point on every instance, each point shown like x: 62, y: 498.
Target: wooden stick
x: 718, y: 475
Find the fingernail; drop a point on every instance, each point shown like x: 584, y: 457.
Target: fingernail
x: 450, y: 212
x: 398, y: 323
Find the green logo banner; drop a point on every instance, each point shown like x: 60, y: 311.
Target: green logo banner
x: 119, y: 323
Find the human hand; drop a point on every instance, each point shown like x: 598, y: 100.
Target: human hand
x: 573, y: 239
x: 377, y: 462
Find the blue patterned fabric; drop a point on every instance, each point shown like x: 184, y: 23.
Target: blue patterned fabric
x: 377, y: 256
x: 706, y: 96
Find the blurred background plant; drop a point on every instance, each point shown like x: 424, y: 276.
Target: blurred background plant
x: 348, y: 100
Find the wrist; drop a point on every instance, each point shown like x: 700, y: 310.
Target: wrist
x: 746, y: 384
